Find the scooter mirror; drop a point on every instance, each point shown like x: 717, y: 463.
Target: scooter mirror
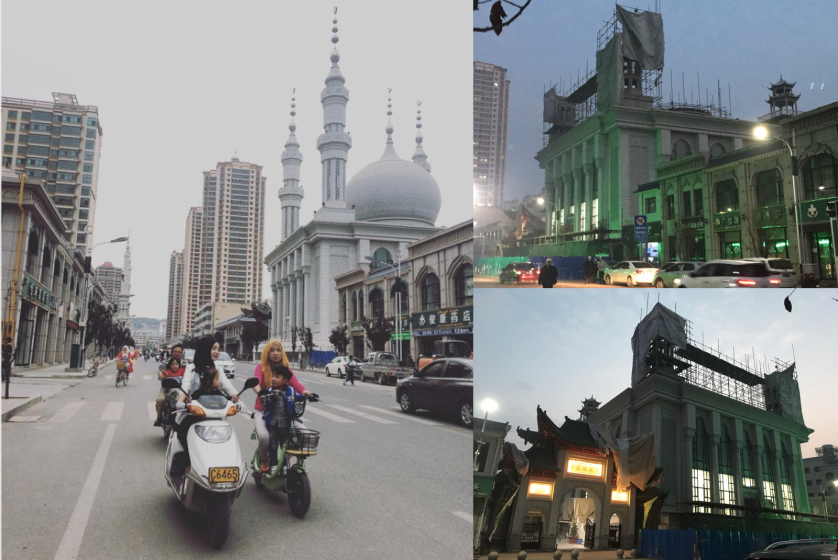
x: 250, y: 383
x: 170, y: 383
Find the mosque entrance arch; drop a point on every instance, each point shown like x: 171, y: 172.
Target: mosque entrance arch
x: 531, y: 532
x: 579, y: 509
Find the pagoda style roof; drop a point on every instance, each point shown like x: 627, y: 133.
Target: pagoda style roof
x: 542, y: 458
x: 782, y: 82
x: 572, y: 435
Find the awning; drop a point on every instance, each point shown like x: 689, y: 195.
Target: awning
x: 482, y: 486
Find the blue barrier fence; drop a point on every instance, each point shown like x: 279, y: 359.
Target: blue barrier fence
x: 321, y: 356
x: 716, y: 545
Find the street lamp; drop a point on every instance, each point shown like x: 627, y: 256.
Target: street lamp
x: 398, y: 299
x: 541, y: 202
x: 489, y: 406
x: 87, y: 288
x: 762, y: 133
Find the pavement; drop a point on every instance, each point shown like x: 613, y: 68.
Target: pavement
x: 584, y: 554
x: 492, y: 282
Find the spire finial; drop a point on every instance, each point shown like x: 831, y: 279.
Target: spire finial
x: 335, y: 38
x: 419, y: 156
x: 419, y: 122
x: 293, y: 126
x: 389, y: 128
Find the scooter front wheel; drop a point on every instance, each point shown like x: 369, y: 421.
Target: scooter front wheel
x: 218, y: 512
x: 299, y: 493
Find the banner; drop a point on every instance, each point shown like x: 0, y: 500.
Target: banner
x: 503, y: 509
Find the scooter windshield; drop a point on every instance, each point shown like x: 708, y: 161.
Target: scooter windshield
x: 213, y: 402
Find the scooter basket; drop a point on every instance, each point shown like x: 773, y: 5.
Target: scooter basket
x: 121, y: 365
x: 303, y: 441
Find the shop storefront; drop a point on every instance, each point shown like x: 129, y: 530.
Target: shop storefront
x: 357, y: 334
x: 455, y: 323
x: 727, y: 226
x: 818, y: 238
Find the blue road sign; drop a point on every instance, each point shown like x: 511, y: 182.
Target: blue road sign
x: 640, y: 229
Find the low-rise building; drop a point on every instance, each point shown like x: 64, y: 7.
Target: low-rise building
x: 821, y: 473
x: 210, y: 314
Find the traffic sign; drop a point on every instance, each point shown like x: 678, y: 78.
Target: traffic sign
x: 640, y: 229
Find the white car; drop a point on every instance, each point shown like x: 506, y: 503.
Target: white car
x: 188, y: 356
x: 631, y: 273
x: 337, y: 366
x: 729, y: 274
x: 779, y: 269
x: 225, y: 363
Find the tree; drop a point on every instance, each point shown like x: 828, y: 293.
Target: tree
x: 294, y: 340
x: 755, y: 231
x: 497, y: 14
x: 339, y: 339
x: 252, y: 334
x: 378, y: 332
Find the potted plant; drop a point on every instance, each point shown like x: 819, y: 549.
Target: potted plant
x: 573, y: 535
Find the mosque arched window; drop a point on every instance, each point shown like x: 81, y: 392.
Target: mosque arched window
x: 380, y: 257
x: 701, y: 465
x: 768, y: 492
x: 343, y: 309
x: 464, y: 285
x: 377, y: 303
x: 354, y: 306
x: 727, y: 196
x: 727, y: 486
x: 400, y: 288
x: 717, y: 150
x: 769, y: 187
x: 681, y: 149
x: 820, y: 177
x: 361, y: 305
x: 430, y: 292
x: 785, y: 479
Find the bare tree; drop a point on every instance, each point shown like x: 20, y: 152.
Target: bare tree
x: 755, y: 232
x: 497, y: 14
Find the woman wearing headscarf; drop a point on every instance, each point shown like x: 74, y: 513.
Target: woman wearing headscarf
x: 272, y: 355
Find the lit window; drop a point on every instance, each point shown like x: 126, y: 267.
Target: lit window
x: 619, y: 496
x: 540, y: 489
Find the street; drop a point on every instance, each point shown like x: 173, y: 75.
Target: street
x: 493, y: 282
x: 85, y: 480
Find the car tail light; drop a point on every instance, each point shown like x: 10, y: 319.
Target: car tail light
x: 746, y: 282
x: 774, y: 281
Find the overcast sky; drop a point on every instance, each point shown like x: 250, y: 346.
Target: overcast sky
x: 747, y: 44
x: 556, y: 351
x: 180, y: 85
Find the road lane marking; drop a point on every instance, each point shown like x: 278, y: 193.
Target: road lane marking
x: 316, y: 382
x: 71, y: 541
x: 113, y: 412
x: 152, y: 411
x: 146, y: 378
x: 401, y: 415
x: 108, y: 377
x: 330, y: 416
x: 362, y: 414
x: 462, y: 515
x: 67, y: 412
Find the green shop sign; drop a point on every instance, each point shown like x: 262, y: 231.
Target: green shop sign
x: 357, y: 326
x: 444, y: 318
x: 482, y: 486
x: 727, y: 220
x: 693, y: 223
x: 814, y: 211
x: 770, y: 216
x: 37, y: 293
x: 400, y: 336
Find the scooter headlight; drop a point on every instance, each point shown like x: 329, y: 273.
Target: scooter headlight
x: 214, y: 434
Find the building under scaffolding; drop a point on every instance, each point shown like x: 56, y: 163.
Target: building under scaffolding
x: 728, y: 426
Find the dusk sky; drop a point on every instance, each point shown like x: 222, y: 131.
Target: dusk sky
x: 181, y: 84
x: 747, y: 44
x: 558, y: 348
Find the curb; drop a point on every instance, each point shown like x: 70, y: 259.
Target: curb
x: 32, y: 401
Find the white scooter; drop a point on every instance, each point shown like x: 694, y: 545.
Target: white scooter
x: 214, y: 473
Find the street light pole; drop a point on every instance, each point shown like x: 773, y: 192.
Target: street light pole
x: 541, y: 201
x: 398, y: 300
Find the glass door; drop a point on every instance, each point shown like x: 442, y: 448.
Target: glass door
x: 823, y: 245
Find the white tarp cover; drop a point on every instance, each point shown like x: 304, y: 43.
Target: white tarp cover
x: 578, y: 510
x: 660, y: 321
x: 522, y: 464
x: 634, y: 457
x: 609, y: 73
x: 782, y: 395
x: 642, y: 37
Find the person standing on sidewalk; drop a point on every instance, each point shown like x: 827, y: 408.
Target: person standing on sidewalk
x: 590, y: 271
x: 350, y: 371
x: 8, y: 356
x: 549, y: 275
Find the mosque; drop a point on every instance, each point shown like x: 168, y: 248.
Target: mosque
x: 364, y: 224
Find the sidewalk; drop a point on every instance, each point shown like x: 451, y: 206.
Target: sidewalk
x: 584, y: 554
x: 30, y: 386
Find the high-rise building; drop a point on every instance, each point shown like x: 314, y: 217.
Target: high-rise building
x: 110, y: 278
x: 123, y: 312
x: 173, y: 321
x: 233, y: 233
x: 491, y: 105
x: 59, y: 143
x: 191, y: 269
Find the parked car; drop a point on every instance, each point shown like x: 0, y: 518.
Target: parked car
x: 804, y: 548
x: 729, y: 274
x: 631, y: 273
x: 665, y: 278
x: 226, y: 364
x: 445, y: 385
x: 519, y: 272
x: 337, y: 366
x: 188, y: 356
x: 782, y: 269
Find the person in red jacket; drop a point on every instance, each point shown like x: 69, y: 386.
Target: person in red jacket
x: 127, y: 357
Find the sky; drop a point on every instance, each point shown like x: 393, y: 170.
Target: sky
x: 557, y: 350
x: 747, y: 44
x: 182, y: 84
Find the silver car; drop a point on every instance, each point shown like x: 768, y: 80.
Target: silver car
x: 779, y: 269
x: 665, y: 278
x: 729, y: 274
x: 226, y: 364
x: 631, y: 273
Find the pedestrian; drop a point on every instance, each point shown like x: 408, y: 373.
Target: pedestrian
x: 600, y: 265
x: 590, y: 271
x: 410, y: 362
x: 8, y: 355
x: 548, y: 275
x: 350, y: 371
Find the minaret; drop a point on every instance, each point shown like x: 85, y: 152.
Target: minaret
x: 334, y: 143
x: 291, y: 193
x: 122, y: 312
x: 419, y: 156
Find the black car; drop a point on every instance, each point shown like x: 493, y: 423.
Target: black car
x: 444, y: 385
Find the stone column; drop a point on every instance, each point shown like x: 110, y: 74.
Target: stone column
x: 738, y: 446
x: 758, y: 448
x: 801, y: 499
x: 774, y: 439
x: 689, y: 434
x: 715, y: 439
x: 299, y: 298
x: 308, y: 316
x: 567, y: 193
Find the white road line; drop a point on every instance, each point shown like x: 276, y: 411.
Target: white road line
x: 401, y: 415
x: 362, y: 415
x: 329, y: 415
x: 152, y: 411
x: 466, y: 516
x: 71, y: 541
x: 108, y: 377
x: 113, y: 412
x: 67, y: 412
x: 146, y: 378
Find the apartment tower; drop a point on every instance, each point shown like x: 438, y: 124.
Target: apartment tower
x: 110, y: 278
x: 490, y: 106
x: 58, y: 143
x: 191, y: 269
x: 233, y: 234
x: 175, y: 310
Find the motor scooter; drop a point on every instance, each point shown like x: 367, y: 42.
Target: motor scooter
x: 169, y: 406
x: 285, y: 476
x: 212, y: 475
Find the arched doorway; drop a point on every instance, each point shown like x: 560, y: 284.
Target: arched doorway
x: 577, y: 521
x: 531, y: 532
x: 614, y: 531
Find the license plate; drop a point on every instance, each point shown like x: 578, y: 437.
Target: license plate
x: 224, y: 474
x: 786, y: 275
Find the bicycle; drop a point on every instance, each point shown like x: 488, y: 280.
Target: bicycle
x: 121, y: 373
x: 95, y: 367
